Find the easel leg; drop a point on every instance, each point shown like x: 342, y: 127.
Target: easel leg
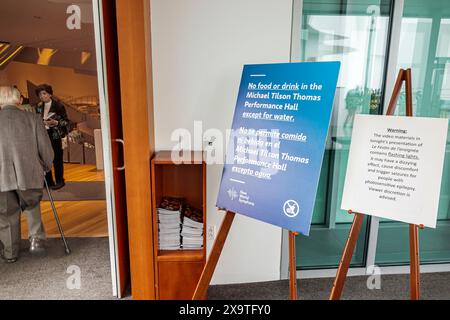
x: 292, y: 267
x: 341, y: 275
x: 405, y: 75
x: 208, y: 271
x: 414, y: 263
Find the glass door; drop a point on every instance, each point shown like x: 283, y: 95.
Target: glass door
x: 52, y: 52
x: 425, y: 48
x: 354, y: 32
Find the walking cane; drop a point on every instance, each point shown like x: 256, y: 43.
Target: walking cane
x: 57, y: 218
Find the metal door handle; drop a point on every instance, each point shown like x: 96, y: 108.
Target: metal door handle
x: 123, y: 146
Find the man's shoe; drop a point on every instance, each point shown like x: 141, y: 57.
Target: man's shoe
x: 37, y: 246
x: 12, y: 260
x: 58, y: 186
x: 8, y: 260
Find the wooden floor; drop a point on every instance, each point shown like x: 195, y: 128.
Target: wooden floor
x: 76, y: 172
x: 78, y: 219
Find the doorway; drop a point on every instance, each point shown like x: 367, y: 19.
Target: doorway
x: 59, y: 43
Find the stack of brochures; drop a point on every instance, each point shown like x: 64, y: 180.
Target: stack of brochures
x: 169, y: 222
x: 192, y: 229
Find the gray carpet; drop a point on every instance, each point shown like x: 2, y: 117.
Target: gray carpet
x: 393, y: 287
x: 45, y: 277
x: 79, y: 191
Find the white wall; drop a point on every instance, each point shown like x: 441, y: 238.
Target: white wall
x: 199, y: 49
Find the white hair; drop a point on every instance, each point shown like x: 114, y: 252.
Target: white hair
x: 9, y: 96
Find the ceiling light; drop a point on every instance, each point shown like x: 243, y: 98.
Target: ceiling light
x: 45, y: 56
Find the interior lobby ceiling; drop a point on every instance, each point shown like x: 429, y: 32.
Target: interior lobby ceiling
x: 42, y: 24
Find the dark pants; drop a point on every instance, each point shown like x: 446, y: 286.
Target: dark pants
x: 10, y: 224
x: 30, y: 203
x: 11, y: 204
x: 58, y: 163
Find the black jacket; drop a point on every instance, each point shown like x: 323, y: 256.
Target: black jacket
x: 62, y: 129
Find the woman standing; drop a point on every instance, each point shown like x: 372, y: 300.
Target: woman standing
x: 55, y: 119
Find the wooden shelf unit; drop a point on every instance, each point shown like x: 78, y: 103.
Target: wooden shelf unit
x: 177, y: 271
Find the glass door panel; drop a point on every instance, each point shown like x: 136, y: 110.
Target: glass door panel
x: 425, y: 48
x: 356, y: 34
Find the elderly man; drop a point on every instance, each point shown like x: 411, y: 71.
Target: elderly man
x: 25, y: 154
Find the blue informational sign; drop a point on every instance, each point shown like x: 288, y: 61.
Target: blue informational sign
x: 277, y: 142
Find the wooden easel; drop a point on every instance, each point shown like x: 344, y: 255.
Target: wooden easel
x: 403, y: 76
x: 208, y: 271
